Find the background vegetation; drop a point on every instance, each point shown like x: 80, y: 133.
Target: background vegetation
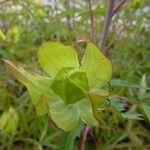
x: 24, y: 25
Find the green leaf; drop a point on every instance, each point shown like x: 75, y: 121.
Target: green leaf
x: 9, y: 120
x: 124, y: 83
x: 116, y: 103
x: 3, y: 75
x: 70, y: 84
x: 66, y: 117
x: 97, y: 98
x: 41, y: 106
x: 132, y: 115
x: 38, y: 87
x: 64, y: 96
x: 146, y: 109
x: 53, y: 56
x: 97, y: 67
x: 142, y: 91
x: 68, y: 138
x: 86, y: 113
x: 2, y: 36
x: 137, y: 4
x: 13, y: 34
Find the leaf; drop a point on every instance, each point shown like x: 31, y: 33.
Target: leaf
x: 41, y: 106
x: 97, y: 98
x: 116, y: 103
x: 142, y: 91
x: 124, y: 83
x: 97, y: 67
x: 9, y: 120
x: 53, y: 56
x: 36, y: 85
x: 66, y: 117
x: 119, y: 138
x: 146, y: 109
x: 68, y: 138
x: 70, y: 84
x: 86, y: 114
x: 99, y: 10
x: 137, y: 4
x: 13, y: 34
x: 3, y: 75
x: 132, y: 115
x: 2, y: 36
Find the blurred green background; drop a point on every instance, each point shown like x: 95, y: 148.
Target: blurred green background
x: 26, y: 24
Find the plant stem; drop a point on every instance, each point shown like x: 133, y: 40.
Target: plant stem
x: 68, y: 138
x: 92, y: 24
x: 107, y: 24
x: 84, y: 137
x: 118, y: 7
x: 111, y: 11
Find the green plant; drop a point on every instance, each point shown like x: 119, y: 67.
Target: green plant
x: 9, y: 120
x: 72, y: 91
x: 127, y: 45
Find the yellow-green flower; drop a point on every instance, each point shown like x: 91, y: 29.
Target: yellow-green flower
x: 73, y: 90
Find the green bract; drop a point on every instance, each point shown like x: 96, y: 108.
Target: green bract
x: 9, y: 120
x: 71, y: 91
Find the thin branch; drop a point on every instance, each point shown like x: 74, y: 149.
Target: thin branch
x: 110, y: 13
x: 84, y: 137
x: 118, y: 7
x: 107, y: 24
x: 92, y: 24
x: 94, y: 138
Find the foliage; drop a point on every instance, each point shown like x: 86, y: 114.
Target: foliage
x: 9, y: 120
x: 127, y: 45
x: 62, y: 94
